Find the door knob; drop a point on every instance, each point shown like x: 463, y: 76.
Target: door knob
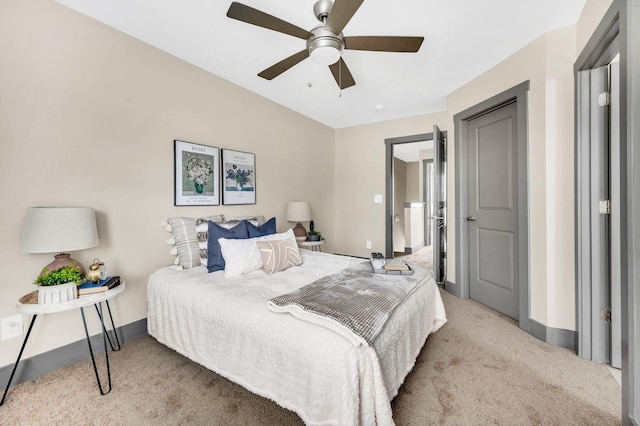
x: 471, y: 218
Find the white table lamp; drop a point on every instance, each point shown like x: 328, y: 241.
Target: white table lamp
x: 59, y: 230
x: 299, y: 211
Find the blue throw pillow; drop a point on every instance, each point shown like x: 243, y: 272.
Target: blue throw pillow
x: 267, y: 228
x: 215, y: 261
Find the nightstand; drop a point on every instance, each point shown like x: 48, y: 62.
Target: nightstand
x: 81, y: 302
x: 312, y: 245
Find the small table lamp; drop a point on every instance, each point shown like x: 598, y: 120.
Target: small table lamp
x: 299, y: 211
x: 59, y: 230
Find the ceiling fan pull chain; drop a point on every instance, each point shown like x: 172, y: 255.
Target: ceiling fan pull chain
x: 340, y: 78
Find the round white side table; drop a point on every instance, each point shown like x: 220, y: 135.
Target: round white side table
x: 312, y: 245
x: 81, y: 302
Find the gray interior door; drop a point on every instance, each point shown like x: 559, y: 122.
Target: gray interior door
x: 616, y: 222
x: 599, y: 216
x: 439, y: 218
x: 493, y: 209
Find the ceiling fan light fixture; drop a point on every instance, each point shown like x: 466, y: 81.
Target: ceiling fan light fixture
x: 325, y: 55
x: 324, y: 46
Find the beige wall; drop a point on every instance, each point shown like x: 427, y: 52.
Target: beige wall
x: 414, y: 177
x: 400, y: 196
x: 426, y: 154
x: 360, y: 174
x: 88, y: 117
x: 590, y: 17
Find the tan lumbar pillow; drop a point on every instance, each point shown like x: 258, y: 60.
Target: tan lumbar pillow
x: 279, y: 255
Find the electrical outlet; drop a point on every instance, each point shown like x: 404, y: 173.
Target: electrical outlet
x: 368, y: 244
x: 11, y: 327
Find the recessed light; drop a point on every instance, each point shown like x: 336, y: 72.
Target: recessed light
x: 379, y: 108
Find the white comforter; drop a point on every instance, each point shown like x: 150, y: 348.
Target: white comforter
x: 225, y: 325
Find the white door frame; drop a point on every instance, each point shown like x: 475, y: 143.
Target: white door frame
x: 518, y: 93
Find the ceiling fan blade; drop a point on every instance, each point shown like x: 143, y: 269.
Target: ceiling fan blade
x: 341, y: 13
x: 342, y: 74
x: 277, y: 69
x: 253, y: 16
x: 384, y: 43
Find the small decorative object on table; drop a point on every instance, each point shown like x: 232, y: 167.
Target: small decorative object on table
x: 100, y: 286
x: 390, y: 266
x: 59, y: 285
x: 314, y: 236
x: 377, y: 261
x: 97, y: 271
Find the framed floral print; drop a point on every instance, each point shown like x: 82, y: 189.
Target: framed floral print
x: 239, y: 177
x: 197, y: 174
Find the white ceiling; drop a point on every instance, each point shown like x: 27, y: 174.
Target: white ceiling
x: 463, y: 38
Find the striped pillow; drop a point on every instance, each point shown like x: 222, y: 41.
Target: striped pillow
x: 185, y: 239
x: 279, y: 255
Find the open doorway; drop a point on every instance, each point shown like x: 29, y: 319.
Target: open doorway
x: 412, y: 163
x: 416, y: 200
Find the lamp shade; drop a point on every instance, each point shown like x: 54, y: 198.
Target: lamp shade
x: 298, y: 211
x: 58, y: 229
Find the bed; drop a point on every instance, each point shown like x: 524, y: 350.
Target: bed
x: 224, y: 324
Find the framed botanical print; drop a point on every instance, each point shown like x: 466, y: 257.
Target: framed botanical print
x: 239, y: 177
x: 197, y: 174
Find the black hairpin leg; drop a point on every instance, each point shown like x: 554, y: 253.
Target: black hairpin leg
x: 113, y: 327
x: 106, y: 351
x: 15, y: 366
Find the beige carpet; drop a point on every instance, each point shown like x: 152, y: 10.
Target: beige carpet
x: 478, y: 369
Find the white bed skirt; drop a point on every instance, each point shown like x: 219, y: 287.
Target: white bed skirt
x: 224, y: 324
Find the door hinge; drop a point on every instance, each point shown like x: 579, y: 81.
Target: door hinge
x: 605, y: 314
x: 604, y: 207
x: 604, y: 99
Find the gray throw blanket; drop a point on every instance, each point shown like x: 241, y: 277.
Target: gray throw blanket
x: 354, y: 302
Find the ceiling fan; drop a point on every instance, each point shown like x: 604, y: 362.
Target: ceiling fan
x: 326, y: 42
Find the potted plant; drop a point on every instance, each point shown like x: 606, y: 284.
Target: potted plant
x: 60, y: 284
x: 314, y: 236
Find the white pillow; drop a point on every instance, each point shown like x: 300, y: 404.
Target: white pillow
x: 202, y: 232
x: 243, y: 256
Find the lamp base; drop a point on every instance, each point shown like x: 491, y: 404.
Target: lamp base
x: 61, y: 260
x: 299, y: 231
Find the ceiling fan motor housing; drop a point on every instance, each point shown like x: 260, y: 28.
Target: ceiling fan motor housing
x: 325, y: 38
